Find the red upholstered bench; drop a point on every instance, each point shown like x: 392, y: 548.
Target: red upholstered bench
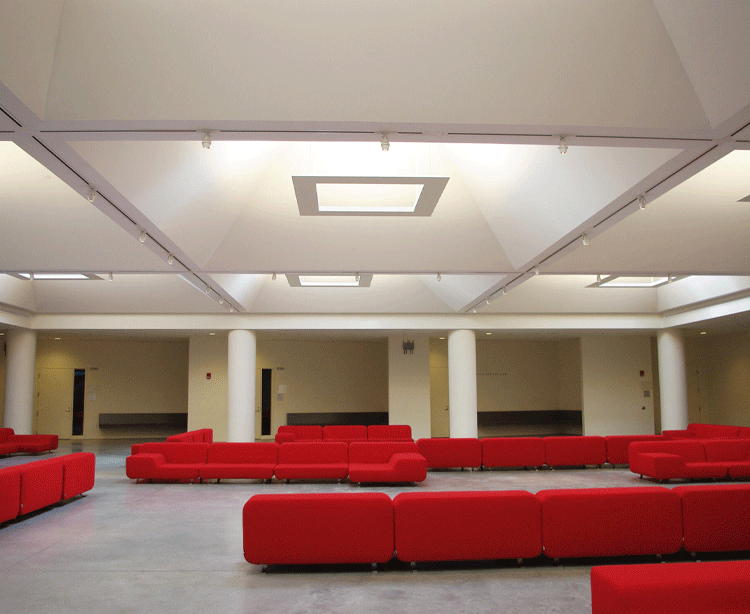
x: 166, y: 461
x: 449, y: 452
x: 41, y: 484
x: 301, y: 460
x: 297, y: 432
x: 345, y: 432
x: 575, y: 450
x: 79, y: 472
x: 10, y: 493
x: 455, y: 526
x: 610, y: 521
x: 386, y: 461
x: 513, y: 452
x: 389, y: 432
x: 300, y: 529
x: 251, y: 460
x: 617, y: 446
x: 717, y: 587
x: 31, y: 444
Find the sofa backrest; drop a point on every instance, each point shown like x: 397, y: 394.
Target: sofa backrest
x: 444, y: 452
x: 313, y: 453
x: 723, y: 450
x: 513, y: 452
x: 303, y: 431
x: 345, y: 432
x: 389, y: 432
x: 176, y: 452
x: 691, y: 451
x: 197, y: 436
x: 237, y: 453
x: 5, y: 435
x: 378, y: 451
x: 708, y: 431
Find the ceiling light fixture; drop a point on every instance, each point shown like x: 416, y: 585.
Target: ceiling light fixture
x: 206, y: 140
x: 273, y: 277
x: 585, y: 239
x: 536, y: 270
x: 170, y: 259
x: 563, y: 146
x: 438, y: 277
x: 488, y: 300
x: 208, y: 290
x: 641, y: 202
x: 231, y: 309
x: 221, y: 300
x: 142, y: 236
x: 356, y: 278
x: 598, y: 279
x: 385, y: 143
x: 111, y: 277
x: 92, y: 194
x: 504, y: 291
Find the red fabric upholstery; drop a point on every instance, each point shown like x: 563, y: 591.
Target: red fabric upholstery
x: 345, y: 432
x: 31, y: 444
x: 575, y: 450
x: 253, y: 460
x: 715, y: 517
x: 167, y: 461
x: 284, y: 437
x: 617, y: 446
x: 303, y: 431
x: 5, y: 434
x: 313, y: 460
x: 708, y: 431
x: 78, y: 473
x: 197, y: 436
x: 389, y: 432
x: 452, y: 526
x: 610, y: 521
x: 451, y: 452
x: 41, y: 484
x: 386, y: 461
x: 744, y: 432
x: 378, y: 451
x: 690, y: 451
x: 10, y: 493
x: 716, y: 587
x: 318, y: 528
x: 664, y: 460
x: 512, y: 452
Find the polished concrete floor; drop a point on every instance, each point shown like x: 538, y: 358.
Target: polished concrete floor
x: 177, y: 548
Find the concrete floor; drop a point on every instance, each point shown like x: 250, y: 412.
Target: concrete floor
x: 177, y: 549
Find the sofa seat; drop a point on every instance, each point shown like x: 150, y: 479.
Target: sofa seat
x: 575, y: 450
x: 313, y: 460
x: 610, y: 521
x: 617, y: 446
x: 8, y: 448
x: 11, y: 443
x: 457, y: 526
x: 513, y: 452
x: 301, y: 529
x: 716, y: 587
x: 451, y: 452
x: 401, y: 467
x: 166, y: 461
x: 253, y: 460
x: 688, y: 458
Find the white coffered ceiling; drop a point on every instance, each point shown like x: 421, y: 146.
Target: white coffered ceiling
x: 652, y: 97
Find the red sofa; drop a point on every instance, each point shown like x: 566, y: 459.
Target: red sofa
x: 617, y: 446
x: 10, y: 443
x: 708, y: 431
x: 513, y: 452
x: 249, y: 461
x: 569, y: 451
x: 295, y: 529
x: 610, y: 522
x: 389, y: 432
x: 455, y: 526
x: 716, y: 587
x: 313, y: 460
x: 691, y: 458
x: 33, y: 486
x: 345, y: 432
x: 449, y: 452
x: 197, y: 436
x: 386, y: 461
x: 166, y: 461
x: 288, y: 433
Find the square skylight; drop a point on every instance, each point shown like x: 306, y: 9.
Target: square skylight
x: 374, y: 196
x: 329, y: 281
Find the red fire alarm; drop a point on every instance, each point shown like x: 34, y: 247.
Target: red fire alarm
x: 642, y: 374
x: 208, y: 376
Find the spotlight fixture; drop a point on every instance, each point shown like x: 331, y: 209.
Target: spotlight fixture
x: 536, y: 270
x: 170, y: 259
x: 231, y: 309
x: 142, y: 236
x: 598, y: 279
x: 641, y: 202
x: 563, y: 146
x: 385, y: 144
x: 504, y: 291
x: 273, y: 277
x: 585, y: 239
x: 474, y: 310
x: 111, y: 277
x: 356, y: 278
x: 208, y: 290
x: 488, y: 300
x: 438, y: 277
x: 91, y: 195
x: 221, y: 300
x: 206, y: 140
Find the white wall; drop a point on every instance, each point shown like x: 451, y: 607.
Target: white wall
x: 613, y: 389
x: 409, y: 385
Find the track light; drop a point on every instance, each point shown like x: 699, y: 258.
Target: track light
x: 536, y: 270
x: 356, y: 278
x: 231, y: 309
x: 221, y: 300
x: 385, y: 144
x: 170, y: 259
x: 273, y: 277
x: 474, y: 310
x: 111, y: 277
x: 585, y: 239
x: 641, y: 202
x: 598, y: 279
x: 504, y: 291
x: 206, y: 140
x: 208, y: 290
x: 142, y: 236
x: 563, y: 146
x: 438, y: 277
x: 92, y: 194
x: 488, y: 300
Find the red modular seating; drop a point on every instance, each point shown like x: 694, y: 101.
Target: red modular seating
x: 691, y: 458
x: 704, y: 431
x: 11, y: 443
x: 288, y: 433
x: 513, y: 452
x: 717, y: 587
x: 451, y: 452
x: 617, y: 446
x: 312, y: 460
x: 715, y: 517
x: 453, y: 526
x: 389, y: 432
x: 318, y: 528
x: 345, y: 432
x: 166, y: 461
x: 386, y: 461
x: 33, y: 486
x: 575, y: 450
x: 198, y: 436
x: 240, y: 461
x: 610, y: 521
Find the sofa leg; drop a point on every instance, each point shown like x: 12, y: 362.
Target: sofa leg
x: 519, y: 561
x: 413, y: 566
x: 374, y: 567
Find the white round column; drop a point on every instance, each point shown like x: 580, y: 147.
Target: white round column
x: 19, y: 381
x: 462, y: 383
x: 672, y: 380
x: 241, y: 386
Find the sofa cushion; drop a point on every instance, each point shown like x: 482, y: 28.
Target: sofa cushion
x: 453, y: 526
x: 41, y: 484
x: 401, y: 467
x: 723, y: 450
x: 291, y: 529
x: 5, y: 434
x: 79, y: 471
x: 8, y: 448
x: 345, y: 432
x: 378, y: 451
x: 575, y: 450
x: 34, y: 444
x: 303, y: 431
x: 153, y: 466
x: 176, y: 453
x: 389, y: 432
x: 253, y: 460
x: 708, y: 431
x: 610, y: 521
x: 447, y: 452
x: 10, y: 493
x: 512, y: 452
x: 313, y: 460
x: 617, y: 446
x: 691, y: 451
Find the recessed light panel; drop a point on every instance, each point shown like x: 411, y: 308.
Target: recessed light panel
x: 329, y: 281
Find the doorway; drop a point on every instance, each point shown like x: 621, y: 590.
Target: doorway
x: 79, y: 396
x: 265, y: 401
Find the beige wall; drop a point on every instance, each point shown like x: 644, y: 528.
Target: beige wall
x: 122, y: 376
x: 2, y: 375
x: 409, y: 385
